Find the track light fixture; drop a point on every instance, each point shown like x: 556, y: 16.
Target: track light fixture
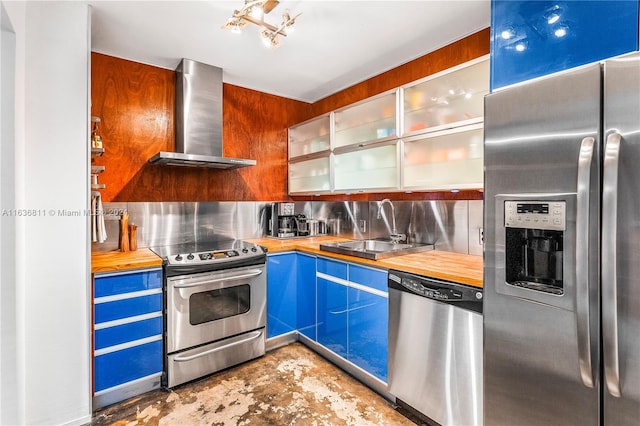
x: 254, y: 11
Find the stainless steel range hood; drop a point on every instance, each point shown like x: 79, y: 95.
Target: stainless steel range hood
x: 199, y: 120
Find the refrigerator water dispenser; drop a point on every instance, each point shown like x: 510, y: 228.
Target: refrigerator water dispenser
x: 534, y: 234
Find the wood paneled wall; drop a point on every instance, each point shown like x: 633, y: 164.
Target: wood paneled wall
x: 136, y: 105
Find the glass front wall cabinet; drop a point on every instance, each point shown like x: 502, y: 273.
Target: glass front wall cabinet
x: 374, y: 119
x: 310, y: 137
x: 310, y: 176
x: 367, y: 169
x: 445, y: 160
x: 454, y: 97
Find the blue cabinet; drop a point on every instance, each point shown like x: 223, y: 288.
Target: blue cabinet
x: 128, y: 332
x: 353, y: 314
x: 342, y: 306
x: 534, y: 38
x: 332, y: 305
x: 306, y: 298
x: 368, y: 320
x: 291, y: 294
x: 281, y: 293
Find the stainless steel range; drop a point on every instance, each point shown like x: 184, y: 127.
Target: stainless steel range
x: 215, y: 307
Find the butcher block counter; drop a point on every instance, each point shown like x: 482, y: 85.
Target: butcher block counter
x: 460, y: 268
x: 111, y: 261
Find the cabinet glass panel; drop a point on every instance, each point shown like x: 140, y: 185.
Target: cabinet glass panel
x: 368, y: 121
x: 450, y: 98
x: 309, y: 176
x: 367, y: 169
x: 445, y: 160
x: 312, y: 136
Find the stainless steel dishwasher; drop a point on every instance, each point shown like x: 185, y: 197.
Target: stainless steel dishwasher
x: 435, y: 349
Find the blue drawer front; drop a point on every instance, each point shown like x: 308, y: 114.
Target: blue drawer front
x: 127, y: 332
x: 281, y: 294
x: 123, y: 366
x: 368, y: 325
x: 127, y: 283
x: 125, y: 308
x: 330, y: 267
x: 370, y: 277
x: 535, y: 38
x: 307, y: 296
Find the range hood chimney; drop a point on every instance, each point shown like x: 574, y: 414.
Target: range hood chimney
x: 198, y: 119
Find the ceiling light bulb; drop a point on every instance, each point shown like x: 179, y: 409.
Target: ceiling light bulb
x: 452, y: 92
x: 287, y: 22
x: 269, y: 39
x: 257, y: 11
x: 520, y: 47
x: 467, y: 95
x: 553, y: 18
x: 235, y: 29
x: 265, y: 40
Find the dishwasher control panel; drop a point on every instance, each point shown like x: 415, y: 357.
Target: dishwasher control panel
x: 443, y: 291
x: 431, y: 292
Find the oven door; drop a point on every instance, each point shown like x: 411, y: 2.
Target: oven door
x: 206, y: 307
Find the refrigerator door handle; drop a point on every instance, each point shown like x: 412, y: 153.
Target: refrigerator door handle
x: 582, y: 260
x: 609, y: 265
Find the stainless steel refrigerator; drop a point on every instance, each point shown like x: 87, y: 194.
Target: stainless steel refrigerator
x: 562, y: 249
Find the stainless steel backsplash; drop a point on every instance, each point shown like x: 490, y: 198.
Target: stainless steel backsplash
x: 450, y: 225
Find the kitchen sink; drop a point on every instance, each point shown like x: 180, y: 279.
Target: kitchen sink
x: 374, y: 249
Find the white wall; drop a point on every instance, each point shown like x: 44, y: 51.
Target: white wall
x: 9, y: 408
x: 52, y: 251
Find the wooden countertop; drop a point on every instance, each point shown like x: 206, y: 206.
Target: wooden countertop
x: 460, y: 268
x: 110, y: 261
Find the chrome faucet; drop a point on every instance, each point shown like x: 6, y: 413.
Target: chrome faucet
x: 394, y: 236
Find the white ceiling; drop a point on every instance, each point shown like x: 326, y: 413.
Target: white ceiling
x: 335, y: 45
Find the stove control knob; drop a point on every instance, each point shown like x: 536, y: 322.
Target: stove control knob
x: 178, y: 258
x: 253, y: 249
x: 190, y: 256
x: 244, y: 250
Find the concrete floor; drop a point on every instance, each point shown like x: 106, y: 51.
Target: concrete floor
x: 288, y: 386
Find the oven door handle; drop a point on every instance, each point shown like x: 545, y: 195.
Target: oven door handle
x: 222, y: 277
x: 254, y: 335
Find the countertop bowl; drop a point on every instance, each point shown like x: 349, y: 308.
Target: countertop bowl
x: 374, y: 249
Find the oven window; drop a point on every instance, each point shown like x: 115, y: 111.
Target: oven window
x: 218, y: 304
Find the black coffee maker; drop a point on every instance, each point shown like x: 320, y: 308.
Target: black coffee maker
x: 281, y: 220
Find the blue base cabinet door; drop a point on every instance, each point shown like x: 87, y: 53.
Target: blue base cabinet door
x: 128, y: 332
x: 368, y: 320
x: 332, y: 288
x: 306, y: 305
x: 535, y: 38
x: 281, y: 293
